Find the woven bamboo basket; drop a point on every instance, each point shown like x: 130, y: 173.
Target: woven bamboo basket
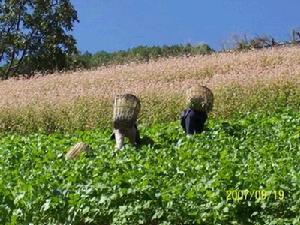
x: 125, y: 111
x: 200, y: 98
x: 76, y: 150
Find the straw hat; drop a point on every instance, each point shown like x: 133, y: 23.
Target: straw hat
x: 76, y: 150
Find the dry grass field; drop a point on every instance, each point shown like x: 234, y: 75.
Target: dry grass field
x: 242, y: 82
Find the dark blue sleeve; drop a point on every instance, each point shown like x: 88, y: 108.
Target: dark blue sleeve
x: 194, y: 122
x: 190, y: 123
x: 182, y: 120
x: 201, y: 118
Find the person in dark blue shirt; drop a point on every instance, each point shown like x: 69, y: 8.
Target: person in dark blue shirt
x: 192, y: 121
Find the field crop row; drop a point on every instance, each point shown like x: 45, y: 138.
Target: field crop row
x: 170, y: 179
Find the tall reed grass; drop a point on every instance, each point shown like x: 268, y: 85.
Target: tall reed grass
x: 263, y: 80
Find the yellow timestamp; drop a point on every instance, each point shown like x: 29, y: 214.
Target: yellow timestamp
x: 253, y: 195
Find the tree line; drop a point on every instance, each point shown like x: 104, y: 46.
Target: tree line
x: 138, y: 54
x: 35, y: 37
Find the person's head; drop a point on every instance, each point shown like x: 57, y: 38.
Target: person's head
x: 196, y: 103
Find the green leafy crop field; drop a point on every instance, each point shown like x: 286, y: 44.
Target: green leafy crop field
x: 244, y: 170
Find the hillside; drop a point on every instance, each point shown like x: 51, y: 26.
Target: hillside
x: 243, y: 169
x: 232, y: 76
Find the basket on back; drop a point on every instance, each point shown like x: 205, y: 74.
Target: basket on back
x: 200, y: 98
x: 125, y: 111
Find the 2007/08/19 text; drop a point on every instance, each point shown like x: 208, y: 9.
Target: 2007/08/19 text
x: 243, y: 195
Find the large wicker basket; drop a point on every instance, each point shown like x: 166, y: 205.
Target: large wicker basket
x: 200, y: 98
x: 125, y: 111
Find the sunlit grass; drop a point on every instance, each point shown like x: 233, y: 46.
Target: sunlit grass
x: 241, y: 82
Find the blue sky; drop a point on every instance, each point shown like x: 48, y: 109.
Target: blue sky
x: 112, y: 25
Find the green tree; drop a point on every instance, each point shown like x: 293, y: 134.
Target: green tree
x: 34, y: 35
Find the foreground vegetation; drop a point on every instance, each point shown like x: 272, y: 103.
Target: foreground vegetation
x: 170, y: 179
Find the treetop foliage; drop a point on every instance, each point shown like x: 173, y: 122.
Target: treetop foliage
x: 34, y: 35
